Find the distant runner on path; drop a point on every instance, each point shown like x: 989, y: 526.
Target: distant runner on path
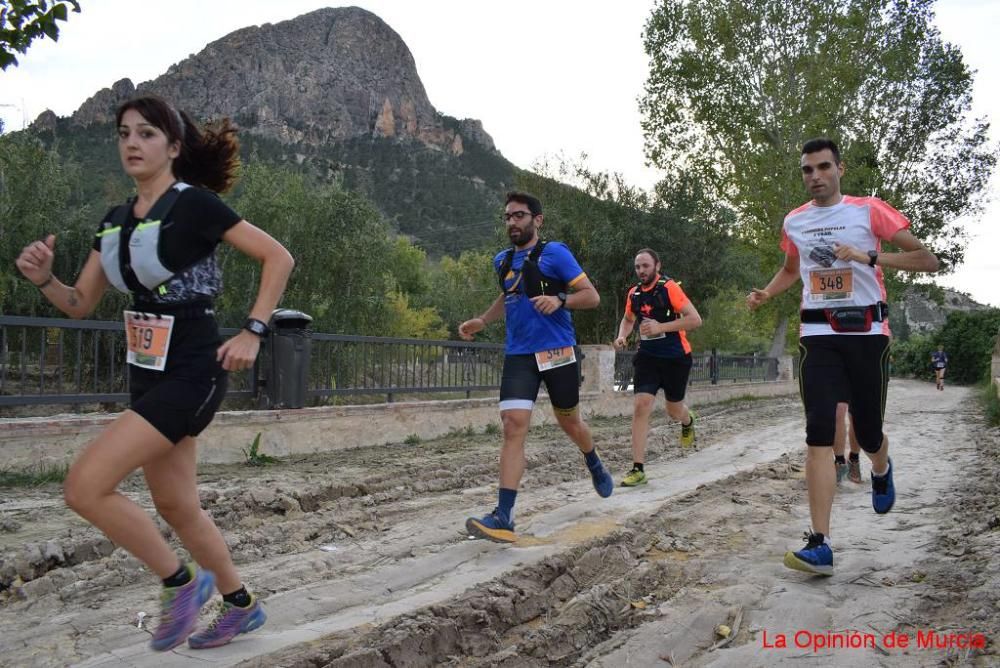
x: 939, y: 362
x: 159, y: 247
x: 664, y: 313
x: 535, y: 279
x: 833, y: 244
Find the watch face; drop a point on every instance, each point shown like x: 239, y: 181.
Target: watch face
x: 257, y: 327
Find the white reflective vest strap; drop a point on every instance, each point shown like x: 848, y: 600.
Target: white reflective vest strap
x: 143, y: 249
x: 110, y: 243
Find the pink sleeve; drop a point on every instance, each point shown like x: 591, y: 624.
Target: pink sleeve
x: 787, y: 245
x: 885, y: 220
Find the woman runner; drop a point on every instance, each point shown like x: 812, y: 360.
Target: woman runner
x: 160, y: 247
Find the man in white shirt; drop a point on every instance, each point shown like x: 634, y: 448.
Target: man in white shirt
x: 833, y: 243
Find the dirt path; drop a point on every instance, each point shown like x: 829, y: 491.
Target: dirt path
x: 363, y: 562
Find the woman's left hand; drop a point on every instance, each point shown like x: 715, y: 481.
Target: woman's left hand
x: 239, y: 352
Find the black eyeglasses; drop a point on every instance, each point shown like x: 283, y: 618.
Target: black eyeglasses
x: 517, y: 215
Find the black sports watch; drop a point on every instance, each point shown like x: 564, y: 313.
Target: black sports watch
x: 258, y: 327
x: 562, y: 299
x: 872, y: 258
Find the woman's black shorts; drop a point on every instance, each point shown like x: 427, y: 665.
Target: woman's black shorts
x: 182, y: 399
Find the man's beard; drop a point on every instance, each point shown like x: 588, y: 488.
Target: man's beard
x: 521, y: 237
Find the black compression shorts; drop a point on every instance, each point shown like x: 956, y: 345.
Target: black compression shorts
x: 835, y: 368
x: 522, y: 379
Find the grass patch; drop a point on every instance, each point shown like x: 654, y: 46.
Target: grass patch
x: 456, y: 432
x: 991, y: 403
x: 412, y: 439
x: 253, y: 455
x: 492, y: 429
x: 741, y: 399
x: 34, y: 476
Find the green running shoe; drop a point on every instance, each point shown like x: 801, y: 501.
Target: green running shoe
x: 687, y: 432
x: 634, y: 478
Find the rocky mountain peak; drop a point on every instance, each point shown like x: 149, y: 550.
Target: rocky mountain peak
x: 326, y: 76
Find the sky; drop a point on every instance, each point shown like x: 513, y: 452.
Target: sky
x: 546, y: 77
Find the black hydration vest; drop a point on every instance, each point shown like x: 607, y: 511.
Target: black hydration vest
x: 532, y: 281
x: 658, y: 298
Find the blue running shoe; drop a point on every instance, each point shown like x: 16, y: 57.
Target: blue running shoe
x: 816, y: 557
x: 180, y: 608
x: 231, y: 621
x: 603, y: 482
x: 496, y: 527
x: 883, y: 491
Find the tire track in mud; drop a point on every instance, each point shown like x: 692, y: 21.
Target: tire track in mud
x: 557, y: 611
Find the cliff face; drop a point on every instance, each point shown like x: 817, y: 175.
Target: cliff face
x: 924, y: 315
x: 331, y: 75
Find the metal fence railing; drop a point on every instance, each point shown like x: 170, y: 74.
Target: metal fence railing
x: 62, y: 361
x: 351, y: 365
x: 709, y: 368
x: 52, y: 361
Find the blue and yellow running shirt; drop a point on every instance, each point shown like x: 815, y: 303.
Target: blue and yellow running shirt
x: 528, y: 331
x: 939, y: 359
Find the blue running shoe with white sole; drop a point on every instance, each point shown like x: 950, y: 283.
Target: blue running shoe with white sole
x: 883, y: 491
x: 180, y: 608
x: 816, y: 557
x: 496, y: 527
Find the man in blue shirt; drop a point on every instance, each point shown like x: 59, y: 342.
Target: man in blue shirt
x: 535, y: 278
x: 939, y: 361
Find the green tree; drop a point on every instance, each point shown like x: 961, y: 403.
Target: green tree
x: 24, y: 21
x: 607, y: 220
x: 911, y: 358
x: 729, y: 326
x: 462, y: 288
x: 735, y: 87
x: 405, y: 321
x: 969, y: 338
x: 408, y: 266
x: 37, y: 187
x: 339, y: 242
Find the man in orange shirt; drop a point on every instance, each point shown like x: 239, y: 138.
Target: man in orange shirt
x: 664, y: 313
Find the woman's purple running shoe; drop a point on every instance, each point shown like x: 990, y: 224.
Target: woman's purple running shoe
x: 181, y: 606
x: 229, y: 623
